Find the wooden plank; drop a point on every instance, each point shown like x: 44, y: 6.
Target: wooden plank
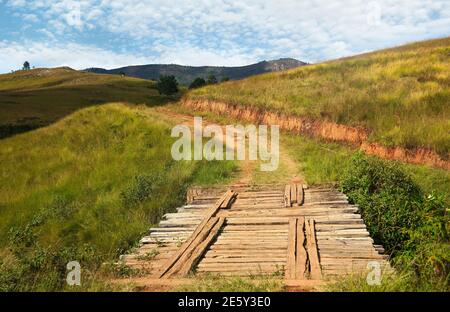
x: 278, y: 199
x: 294, y: 194
x: 254, y: 235
x: 294, y: 212
x: 244, y: 259
x: 300, y: 195
x: 247, y: 247
x: 250, y: 241
x: 254, y: 239
x: 291, y: 250
x: 254, y: 221
x: 263, y: 228
x: 244, y: 256
x: 363, y: 254
x: 200, y: 250
x: 253, y: 251
x: 185, y: 256
x: 191, y: 193
x: 188, y: 243
x: 218, y: 267
x: 313, y: 254
x: 328, y: 202
x: 287, y: 196
x: 301, y: 254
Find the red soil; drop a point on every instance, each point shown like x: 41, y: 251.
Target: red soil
x: 322, y: 129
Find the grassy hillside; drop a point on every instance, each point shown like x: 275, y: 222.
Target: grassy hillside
x: 86, y: 188
x: 400, y: 95
x: 29, y: 99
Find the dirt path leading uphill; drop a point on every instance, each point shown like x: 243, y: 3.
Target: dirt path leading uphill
x: 249, y: 173
x: 268, y: 224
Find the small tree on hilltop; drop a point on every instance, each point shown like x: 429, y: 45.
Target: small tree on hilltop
x: 167, y: 85
x: 197, y: 83
x: 26, y: 66
x: 212, y: 79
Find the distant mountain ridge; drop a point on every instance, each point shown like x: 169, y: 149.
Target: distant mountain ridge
x: 186, y: 74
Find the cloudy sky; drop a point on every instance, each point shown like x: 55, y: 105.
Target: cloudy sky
x: 102, y: 33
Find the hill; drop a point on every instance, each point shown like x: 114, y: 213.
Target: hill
x: 186, y: 74
x: 86, y: 188
x: 35, y: 98
x: 396, y: 97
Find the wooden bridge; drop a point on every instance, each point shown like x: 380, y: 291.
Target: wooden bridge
x: 304, y: 234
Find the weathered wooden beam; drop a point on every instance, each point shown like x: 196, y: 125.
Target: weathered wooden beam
x: 223, y: 201
x: 300, y: 195
x: 294, y: 194
x: 313, y: 254
x: 201, y: 247
x: 287, y: 196
x: 174, y: 264
x: 301, y: 267
x: 291, y: 250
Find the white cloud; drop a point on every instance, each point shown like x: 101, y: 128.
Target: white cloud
x: 14, y: 54
x: 40, y: 54
x: 224, y: 32
x: 30, y: 18
x: 195, y: 56
x: 17, y: 3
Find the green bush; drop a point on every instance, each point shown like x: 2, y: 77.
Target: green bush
x: 140, y: 190
x: 412, y: 226
x: 388, y: 198
x: 197, y: 83
x: 167, y: 85
x: 211, y: 80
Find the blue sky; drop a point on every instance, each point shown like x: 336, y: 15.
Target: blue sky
x: 101, y: 33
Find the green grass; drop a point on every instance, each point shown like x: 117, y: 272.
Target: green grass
x: 400, y: 95
x: 319, y: 161
x: 402, y: 282
x: 325, y: 162
x: 86, y: 188
x: 30, y: 99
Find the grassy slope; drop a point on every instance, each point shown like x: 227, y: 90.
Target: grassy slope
x: 41, y: 96
x: 401, y: 95
x: 98, y: 177
x: 324, y: 162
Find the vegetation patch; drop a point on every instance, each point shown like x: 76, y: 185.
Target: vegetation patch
x: 412, y: 225
x: 34, y: 98
x: 405, y: 208
x: 86, y: 189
